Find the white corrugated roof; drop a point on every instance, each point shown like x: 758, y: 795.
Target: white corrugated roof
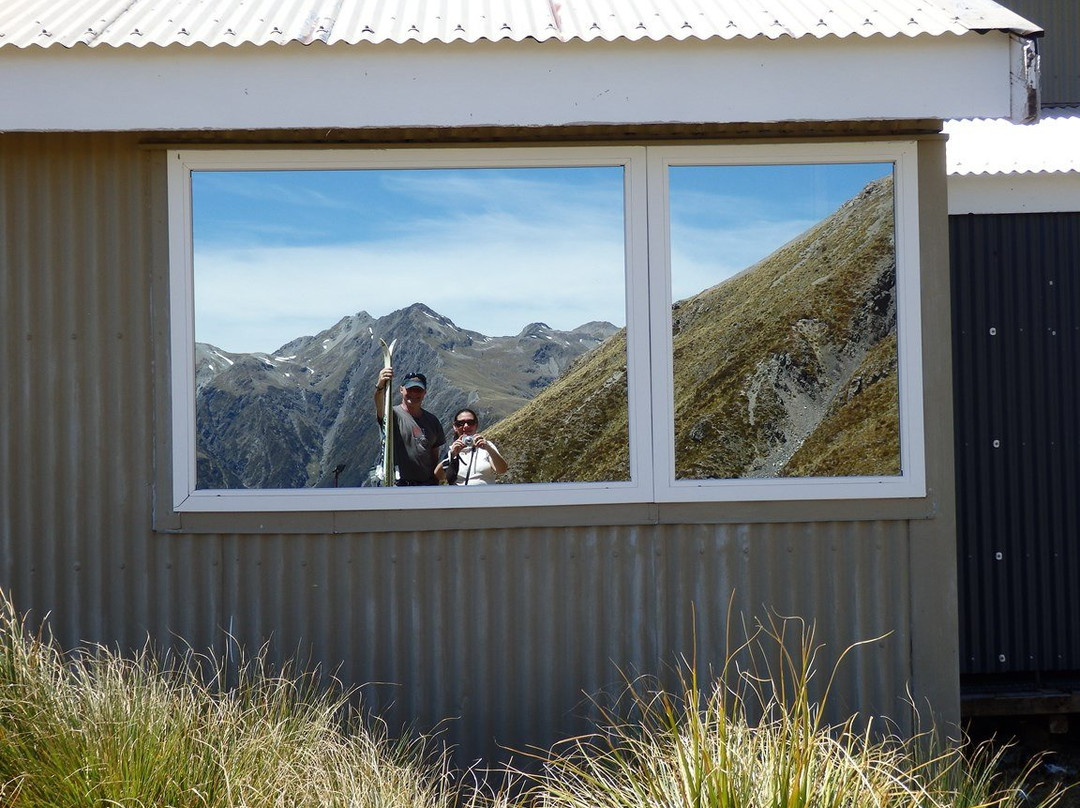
x: 999, y: 147
x: 25, y: 23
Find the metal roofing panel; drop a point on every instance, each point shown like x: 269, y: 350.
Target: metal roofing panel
x: 1000, y: 147
x: 211, y: 22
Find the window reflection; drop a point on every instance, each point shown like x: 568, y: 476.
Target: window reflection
x: 505, y: 286
x: 784, y: 321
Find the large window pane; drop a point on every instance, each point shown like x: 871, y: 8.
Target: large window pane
x: 504, y: 286
x: 784, y: 326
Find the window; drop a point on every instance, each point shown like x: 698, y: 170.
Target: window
x: 569, y: 295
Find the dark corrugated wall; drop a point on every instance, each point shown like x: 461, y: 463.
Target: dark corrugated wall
x: 1058, y: 48
x: 1016, y: 321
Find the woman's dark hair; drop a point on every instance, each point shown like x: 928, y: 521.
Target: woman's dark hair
x: 470, y: 411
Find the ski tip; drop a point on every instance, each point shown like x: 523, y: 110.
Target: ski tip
x: 392, y: 346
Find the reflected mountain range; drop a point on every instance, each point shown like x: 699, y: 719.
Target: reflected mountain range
x: 302, y: 416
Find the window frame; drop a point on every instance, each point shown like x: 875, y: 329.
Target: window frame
x: 187, y: 498
x: 648, y: 320
x: 911, y: 482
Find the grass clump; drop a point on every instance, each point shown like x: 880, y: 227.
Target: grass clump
x: 755, y: 738
x: 98, y: 729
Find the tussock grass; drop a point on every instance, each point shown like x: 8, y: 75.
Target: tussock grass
x: 97, y: 729
x: 754, y: 737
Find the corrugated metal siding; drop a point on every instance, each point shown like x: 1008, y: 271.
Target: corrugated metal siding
x: 77, y: 399
x: 504, y: 630
x: 1017, y: 361
x: 166, y: 22
x: 1059, y: 49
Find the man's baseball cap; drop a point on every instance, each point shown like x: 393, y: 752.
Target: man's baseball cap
x: 415, y: 380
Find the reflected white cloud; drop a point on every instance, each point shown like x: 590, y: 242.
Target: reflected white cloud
x: 256, y: 299
x: 280, y: 255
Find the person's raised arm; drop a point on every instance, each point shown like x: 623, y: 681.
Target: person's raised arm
x: 382, y: 389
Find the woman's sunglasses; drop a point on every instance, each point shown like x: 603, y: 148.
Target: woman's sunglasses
x: 465, y: 422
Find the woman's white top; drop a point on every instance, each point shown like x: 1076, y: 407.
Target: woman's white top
x: 475, y: 466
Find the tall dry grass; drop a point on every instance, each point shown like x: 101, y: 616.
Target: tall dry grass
x: 754, y: 736
x: 95, y: 728
x: 98, y: 729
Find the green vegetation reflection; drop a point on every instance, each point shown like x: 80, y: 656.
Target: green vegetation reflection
x: 785, y: 359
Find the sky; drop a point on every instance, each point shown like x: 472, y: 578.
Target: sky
x: 283, y: 254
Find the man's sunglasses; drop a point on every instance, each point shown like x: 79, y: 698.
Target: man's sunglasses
x: 465, y: 422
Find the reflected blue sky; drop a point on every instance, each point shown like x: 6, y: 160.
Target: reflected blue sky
x: 284, y: 254
x: 724, y: 219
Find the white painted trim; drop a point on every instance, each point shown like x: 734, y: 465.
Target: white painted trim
x: 1014, y: 193
x: 649, y: 346
x: 189, y: 499
x: 912, y: 480
x: 505, y: 83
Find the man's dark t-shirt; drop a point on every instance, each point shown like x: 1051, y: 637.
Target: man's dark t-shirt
x: 416, y: 446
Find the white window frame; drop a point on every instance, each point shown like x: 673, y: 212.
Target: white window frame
x: 911, y: 482
x: 648, y: 318
x: 187, y: 498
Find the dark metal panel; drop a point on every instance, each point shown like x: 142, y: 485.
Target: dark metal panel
x: 1017, y: 360
x: 1059, y: 48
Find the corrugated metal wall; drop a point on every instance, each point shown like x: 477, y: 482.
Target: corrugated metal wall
x: 1016, y: 323
x: 504, y: 630
x: 1060, y: 55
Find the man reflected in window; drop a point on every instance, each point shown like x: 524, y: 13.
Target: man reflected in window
x: 417, y: 433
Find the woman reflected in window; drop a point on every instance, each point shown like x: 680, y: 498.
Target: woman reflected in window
x: 471, y: 459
